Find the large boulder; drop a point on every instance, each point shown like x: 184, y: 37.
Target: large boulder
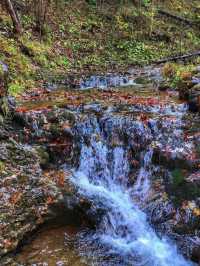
x: 29, y: 195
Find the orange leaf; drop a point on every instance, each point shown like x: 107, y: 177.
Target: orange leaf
x: 50, y: 200
x: 21, y: 109
x: 15, y: 197
x: 61, y: 179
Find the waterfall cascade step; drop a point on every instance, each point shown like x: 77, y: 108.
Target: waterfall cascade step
x: 124, y: 236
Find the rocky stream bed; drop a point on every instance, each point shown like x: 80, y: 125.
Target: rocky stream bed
x: 105, y: 173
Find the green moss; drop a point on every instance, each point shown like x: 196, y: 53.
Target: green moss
x: 55, y: 130
x: 5, y: 106
x: 81, y: 36
x: 15, y: 88
x: 62, y: 61
x: 43, y: 155
x: 1, y: 71
x: 42, y: 60
x: 180, y: 189
x: 178, y: 178
x: 2, y: 166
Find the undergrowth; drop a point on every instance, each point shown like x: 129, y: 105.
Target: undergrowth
x: 81, y: 36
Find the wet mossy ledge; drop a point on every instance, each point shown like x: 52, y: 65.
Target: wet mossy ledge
x: 33, y: 144
x: 36, y: 192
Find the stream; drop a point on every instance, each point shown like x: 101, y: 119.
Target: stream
x: 124, y: 236
x: 115, y: 172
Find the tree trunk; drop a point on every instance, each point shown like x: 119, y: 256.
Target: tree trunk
x: 14, y: 17
x: 41, y: 8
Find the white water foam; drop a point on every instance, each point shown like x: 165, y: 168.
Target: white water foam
x: 124, y: 228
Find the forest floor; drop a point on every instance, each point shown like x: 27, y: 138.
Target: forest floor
x: 80, y: 38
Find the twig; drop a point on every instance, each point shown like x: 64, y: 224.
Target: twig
x: 178, y: 18
x: 179, y: 57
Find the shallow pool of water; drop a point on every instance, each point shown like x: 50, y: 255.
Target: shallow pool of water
x: 51, y: 247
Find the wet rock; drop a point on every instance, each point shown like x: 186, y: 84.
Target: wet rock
x: 183, y: 87
x: 170, y: 162
x: 11, y: 103
x: 194, y: 178
x: 1, y: 119
x: 163, y: 86
x: 20, y: 118
x: 96, y: 108
x: 193, y: 106
x: 196, y: 88
x: 16, y: 203
x: 35, y: 195
x: 26, y: 50
x: 142, y: 80
x: 194, y: 98
x: 43, y: 155
x: 196, y: 254
x: 3, y: 79
x: 30, y: 197
x: 5, y: 107
x: 161, y: 212
x: 197, y: 69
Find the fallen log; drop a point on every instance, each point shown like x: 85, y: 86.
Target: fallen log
x: 179, y: 57
x: 178, y: 18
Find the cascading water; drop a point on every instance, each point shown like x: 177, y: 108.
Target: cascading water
x: 142, y: 185
x: 124, y: 236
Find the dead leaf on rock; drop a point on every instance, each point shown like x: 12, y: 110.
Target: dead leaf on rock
x: 15, y: 197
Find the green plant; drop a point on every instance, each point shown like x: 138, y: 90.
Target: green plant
x: 16, y: 87
x: 146, y: 2
x: 2, y: 166
x: 1, y: 71
x: 62, y: 61
x: 92, y: 2
x: 178, y: 178
x: 4, y: 106
x: 41, y: 59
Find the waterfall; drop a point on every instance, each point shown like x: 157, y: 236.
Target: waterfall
x: 142, y: 185
x: 124, y: 236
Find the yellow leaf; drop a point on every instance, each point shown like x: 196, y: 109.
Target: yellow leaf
x: 196, y: 211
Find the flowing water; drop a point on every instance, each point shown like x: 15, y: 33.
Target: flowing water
x: 124, y: 236
x: 117, y: 144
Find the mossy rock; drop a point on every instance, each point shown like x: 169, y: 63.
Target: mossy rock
x: 3, y: 79
x: 68, y: 115
x: 178, y: 178
x: 189, y: 227
x: 196, y: 88
x: 142, y: 80
x: 194, y: 98
x: 163, y: 86
x: 55, y: 130
x: 1, y: 71
x: 43, y: 155
x: 1, y: 119
x: 4, y: 106
x: 184, y: 87
x: 2, y: 166
x: 179, y: 189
